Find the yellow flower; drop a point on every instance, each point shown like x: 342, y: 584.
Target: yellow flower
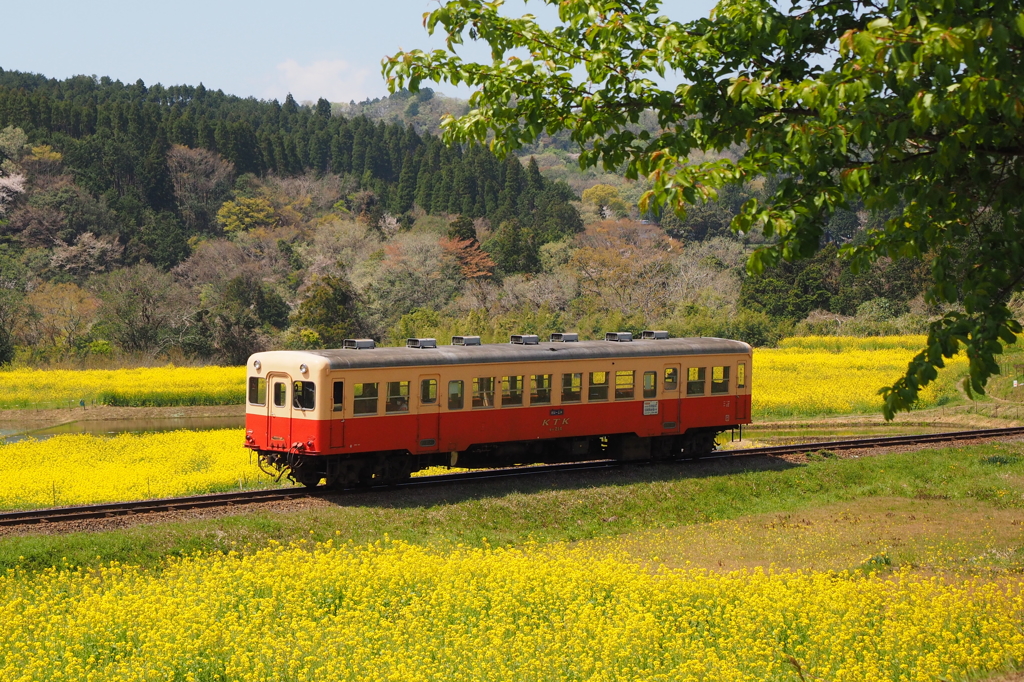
x: 145, y: 386
x: 85, y: 469
x: 835, y: 375
x: 394, y: 611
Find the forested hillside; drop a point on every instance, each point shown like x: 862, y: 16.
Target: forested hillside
x: 103, y: 181
x: 123, y: 145
x: 141, y: 223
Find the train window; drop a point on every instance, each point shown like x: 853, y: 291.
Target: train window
x: 741, y: 375
x: 398, y: 397
x: 428, y: 391
x: 304, y: 395
x: 598, y: 386
x: 512, y: 391
x: 364, y: 398
x: 540, y: 389
x: 455, y: 395
x: 650, y: 385
x: 257, y: 390
x: 572, y: 388
x: 695, y: 381
x: 339, y: 396
x: 624, y: 385
x: 483, y: 392
x: 280, y: 394
x: 671, y: 378
x: 720, y: 379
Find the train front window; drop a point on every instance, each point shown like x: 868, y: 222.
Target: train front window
x: 720, y: 379
x: 598, y: 387
x: 364, y: 398
x: 257, y: 391
x: 741, y: 375
x: 512, y: 391
x: 483, y: 392
x: 304, y: 395
x: 428, y: 391
x: 540, y: 389
x: 650, y: 385
x: 398, y: 397
x: 280, y: 394
x: 456, y: 397
x: 339, y: 396
x: 671, y: 378
x: 624, y: 385
x: 695, y: 380
x: 572, y: 388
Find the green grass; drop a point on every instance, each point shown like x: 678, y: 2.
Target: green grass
x: 560, y: 507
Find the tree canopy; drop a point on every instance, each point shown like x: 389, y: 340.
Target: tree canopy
x: 913, y: 109
x: 161, y: 162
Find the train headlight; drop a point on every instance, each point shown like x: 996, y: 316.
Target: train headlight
x: 303, y: 368
x: 257, y: 364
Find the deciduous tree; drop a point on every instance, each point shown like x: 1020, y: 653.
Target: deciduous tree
x: 606, y: 200
x: 909, y: 107
x: 200, y: 178
x: 246, y: 213
x: 142, y: 309
x: 57, y: 318
x: 329, y: 309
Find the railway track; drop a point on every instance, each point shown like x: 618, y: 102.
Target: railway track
x: 98, y: 511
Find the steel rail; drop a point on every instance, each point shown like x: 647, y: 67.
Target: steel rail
x: 96, y: 511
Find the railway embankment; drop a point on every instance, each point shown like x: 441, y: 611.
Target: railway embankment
x: 583, y: 505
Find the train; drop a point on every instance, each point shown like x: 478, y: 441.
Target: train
x: 363, y: 415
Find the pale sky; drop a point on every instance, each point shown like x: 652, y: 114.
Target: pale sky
x: 311, y: 48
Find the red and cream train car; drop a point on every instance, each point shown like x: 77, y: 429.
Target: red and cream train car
x: 359, y: 415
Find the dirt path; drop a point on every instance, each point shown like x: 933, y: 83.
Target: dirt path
x: 38, y: 419
x: 878, y: 532
x: 958, y: 417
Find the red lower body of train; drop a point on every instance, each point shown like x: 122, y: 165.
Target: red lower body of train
x: 386, y: 448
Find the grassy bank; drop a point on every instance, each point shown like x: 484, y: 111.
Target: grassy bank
x: 562, y: 508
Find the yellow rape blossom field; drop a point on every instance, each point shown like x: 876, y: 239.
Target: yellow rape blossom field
x: 805, y: 376
x: 395, y: 611
x: 86, y: 469
x: 142, y: 387
x: 811, y: 376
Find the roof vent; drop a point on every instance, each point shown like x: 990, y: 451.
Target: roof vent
x: 465, y: 340
x: 359, y: 344
x: 421, y: 343
x: 618, y: 336
x: 565, y: 337
x: 648, y: 334
x: 525, y: 339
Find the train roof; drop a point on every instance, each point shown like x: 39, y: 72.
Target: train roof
x: 508, y: 352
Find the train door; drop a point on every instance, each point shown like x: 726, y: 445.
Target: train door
x: 742, y: 401
x: 280, y: 427
x: 428, y: 415
x: 671, y: 398
x: 338, y: 416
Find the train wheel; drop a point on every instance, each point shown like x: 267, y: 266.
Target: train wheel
x: 663, y: 448
x: 397, y: 468
x: 699, y: 444
x: 310, y: 479
x: 342, y: 475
